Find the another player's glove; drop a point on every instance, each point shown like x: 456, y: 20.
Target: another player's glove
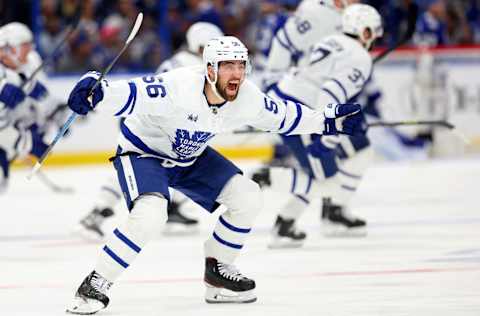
x: 347, y: 114
x: 80, y: 100
x: 11, y: 95
x: 38, y: 92
x: 355, y: 124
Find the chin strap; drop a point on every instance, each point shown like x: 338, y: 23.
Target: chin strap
x: 212, y: 85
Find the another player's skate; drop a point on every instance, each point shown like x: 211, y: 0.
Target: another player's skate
x: 90, y: 296
x: 178, y: 223
x: 225, y: 284
x: 336, y: 223
x: 90, y: 226
x: 285, y: 234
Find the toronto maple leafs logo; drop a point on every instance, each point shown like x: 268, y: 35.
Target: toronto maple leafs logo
x: 186, y: 144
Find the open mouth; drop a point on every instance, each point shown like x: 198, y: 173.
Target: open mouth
x: 232, y: 86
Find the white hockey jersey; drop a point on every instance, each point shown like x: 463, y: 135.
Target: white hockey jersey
x: 168, y: 115
x: 336, y: 71
x: 313, y: 20
x: 180, y: 59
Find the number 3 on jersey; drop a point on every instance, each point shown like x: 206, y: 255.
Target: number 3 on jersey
x: 155, y: 89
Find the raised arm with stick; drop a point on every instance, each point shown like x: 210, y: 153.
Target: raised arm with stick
x: 73, y: 116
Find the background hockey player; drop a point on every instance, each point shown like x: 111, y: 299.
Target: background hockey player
x: 291, y: 47
x: 29, y: 112
x: 336, y: 71
x: 110, y: 193
x: 170, y: 119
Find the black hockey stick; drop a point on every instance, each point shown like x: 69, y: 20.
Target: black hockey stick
x: 412, y: 15
x: 440, y: 123
x: 375, y: 124
x: 406, y: 123
x: 73, y: 116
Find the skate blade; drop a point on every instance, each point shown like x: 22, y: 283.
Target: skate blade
x: 284, y: 243
x: 176, y: 229
x: 339, y: 231
x: 85, y: 307
x: 215, y: 295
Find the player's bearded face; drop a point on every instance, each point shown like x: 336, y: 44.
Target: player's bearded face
x: 230, y: 76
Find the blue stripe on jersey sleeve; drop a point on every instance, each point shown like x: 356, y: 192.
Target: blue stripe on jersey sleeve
x: 287, y: 43
x: 296, y: 121
x: 341, y: 87
x: 332, y: 95
x: 132, y: 99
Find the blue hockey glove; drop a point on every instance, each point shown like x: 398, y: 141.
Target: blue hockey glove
x: 355, y: 124
x: 39, y: 91
x: 335, y: 111
x: 11, y: 95
x: 79, y: 100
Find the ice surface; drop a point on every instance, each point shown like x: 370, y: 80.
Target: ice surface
x: 421, y: 255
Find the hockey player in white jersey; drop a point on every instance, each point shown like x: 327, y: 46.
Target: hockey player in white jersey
x: 197, y: 37
x: 27, y: 111
x: 336, y: 71
x: 13, y: 140
x: 291, y: 45
x: 170, y: 119
x: 92, y: 225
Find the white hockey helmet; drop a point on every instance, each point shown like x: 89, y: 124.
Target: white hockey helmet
x: 200, y: 33
x: 331, y: 3
x: 224, y: 48
x: 17, y: 33
x: 358, y: 17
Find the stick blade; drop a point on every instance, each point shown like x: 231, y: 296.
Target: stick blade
x: 136, y: 27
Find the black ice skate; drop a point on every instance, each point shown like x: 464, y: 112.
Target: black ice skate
x: 177, y: 223
x: 90, y: 296
x: 337, y: 223
x: 91, y: 225
x: 285, y: 234
x: 262, y: 177
x: 225, y: 284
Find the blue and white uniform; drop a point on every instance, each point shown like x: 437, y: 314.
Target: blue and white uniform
x: 337, y: 70
x: 20, y: 122
x: 313, y: 20
x: 164, y: 143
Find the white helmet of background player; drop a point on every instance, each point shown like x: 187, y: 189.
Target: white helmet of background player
x: 18, y: 41
x: 337, y: 4
x: 223, y: 48
x: 199, y: 34
x: 362, y: 21
x: 17, y: 33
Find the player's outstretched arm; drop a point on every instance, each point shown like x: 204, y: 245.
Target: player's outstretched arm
x: 291, y: 118
x: 120, y: 98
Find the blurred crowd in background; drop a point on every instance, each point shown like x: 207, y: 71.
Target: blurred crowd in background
x: 106, y: 23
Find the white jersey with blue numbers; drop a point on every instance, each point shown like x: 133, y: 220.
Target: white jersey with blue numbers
x: 335, y: 72
x: 168, y: 115
x: 312, y: 21
x: 180, y: 59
